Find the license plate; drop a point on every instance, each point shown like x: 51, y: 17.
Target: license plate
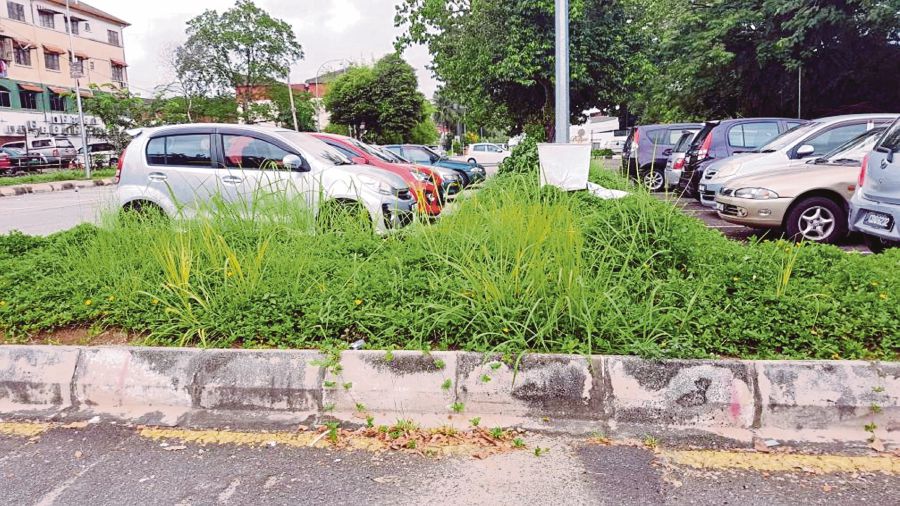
x: 702, y: 187
x: 878, y: 220
x: 720, y: 206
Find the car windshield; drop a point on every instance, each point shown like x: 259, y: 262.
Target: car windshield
x: 853, y: 151
x: 14, y: 151
x: 432, y: 153
x: 393, y: 157
x: 314, y: 147
x: 784, y: 140
x: 372, y: 150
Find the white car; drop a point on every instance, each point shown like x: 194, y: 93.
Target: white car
x: 484, y: 153
x: 179, y: 169
x: 793, y: 148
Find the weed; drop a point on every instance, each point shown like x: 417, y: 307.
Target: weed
x: 650, y: 442
x: 495, y: 365
x: 406, y: 425
x: 878, y: 389
x: 870, y: 427
x: 540, y: 452
x: 330, y: 384
x: 475, y: 421
x: 518, y: 443
x: 485, y: 378
x: 411, y: 444
x: 457, y: 407
x: 439, y: 364
x: 328, y: 407
x: 332, y: 431
x: 497, y: 432
x: 446, y: 430
x: 360, y: 407
x: 348, y: 386
x: 389, y: 356
x: 447, y: 384
x: 370, y: 421
x: 875, y: 408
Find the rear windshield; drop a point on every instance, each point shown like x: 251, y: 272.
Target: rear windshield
x: 784, y: 140
x: 315, y: 147
x: 684, y: 142
x: 701, y: 136
x: 370, y: 150
x: 891, y: 140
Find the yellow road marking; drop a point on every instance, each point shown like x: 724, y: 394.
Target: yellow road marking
x: 23, y: 429
x: 783, y: 462
x: 221, y: 437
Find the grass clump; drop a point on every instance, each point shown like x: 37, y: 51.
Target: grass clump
x: 515, y: 268
x: 55, y: 176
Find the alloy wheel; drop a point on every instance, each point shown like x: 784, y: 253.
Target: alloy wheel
x: 654, y: 181
x: 816, y: 223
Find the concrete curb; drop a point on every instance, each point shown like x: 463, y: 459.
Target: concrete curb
x: 816, y: 401
x: 23, y: 189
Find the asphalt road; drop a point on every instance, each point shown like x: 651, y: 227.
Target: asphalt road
x: 107, y: 464
x: 45, y: 213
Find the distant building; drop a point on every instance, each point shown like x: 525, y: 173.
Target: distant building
x: 316, y: 87
x: 600, y: 131
x: 36, y: 66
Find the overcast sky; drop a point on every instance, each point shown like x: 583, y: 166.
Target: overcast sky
x: 356, y: 30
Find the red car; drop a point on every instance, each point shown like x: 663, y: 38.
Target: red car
x: 424, y: 182
x: 5, y: 163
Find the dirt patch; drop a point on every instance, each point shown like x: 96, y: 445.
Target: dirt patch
x: 77, y: 336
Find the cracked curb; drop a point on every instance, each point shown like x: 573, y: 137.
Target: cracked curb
x: 814, y: 401
x: 24, y: 189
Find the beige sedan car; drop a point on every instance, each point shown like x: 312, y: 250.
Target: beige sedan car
x: 809, y: 203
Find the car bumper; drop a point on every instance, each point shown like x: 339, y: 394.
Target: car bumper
x: 396, y: 213
x: 861, y: 208
x: 708, y: 193
x: 672, y: 177
x: 755, y: 213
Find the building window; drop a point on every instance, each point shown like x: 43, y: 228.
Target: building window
x: 47, y: 19
x: 16, y: 11
x: 28, y: 99
x: 23, y: 56
x: 57, y: 102
x: 87, y: 27
x: 4, y: 97
x: 118, y: 73
x: 51, y: 61
x: 113, y: 37
x: 74, y: 25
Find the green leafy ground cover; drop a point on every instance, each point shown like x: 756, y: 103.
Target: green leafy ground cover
x: 52, y: 177
x: 513, y: 268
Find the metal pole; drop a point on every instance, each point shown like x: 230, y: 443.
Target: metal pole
x: 318, y: 95
x: 84, y: 143
x: 562, y: 71
x: 799, y: 91
x: 293, y: 107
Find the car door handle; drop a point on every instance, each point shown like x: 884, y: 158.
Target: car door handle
x: 232, y: 179
x: 667, y: 152
x: 157, y: 177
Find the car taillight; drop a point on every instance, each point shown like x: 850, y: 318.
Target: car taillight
x: 704, y: 148
x: 119, y: 167
x: 679, y: 164
x: 862, y: 172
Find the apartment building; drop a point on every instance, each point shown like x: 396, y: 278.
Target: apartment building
x: 38, y: 69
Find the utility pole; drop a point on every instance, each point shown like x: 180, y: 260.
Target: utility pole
x: 76, y: 76
x: 799, y: 90
x: 562, y: 71
x: 293, y: 107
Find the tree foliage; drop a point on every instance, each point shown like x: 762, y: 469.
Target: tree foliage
x: 119, y: 110
x: 281, y: 108
x: 239, y: 49
x: 380, y: 104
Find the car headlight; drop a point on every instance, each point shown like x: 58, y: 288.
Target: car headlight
x: 755, y: 194
x: 421, y: 176
x: 478, y: 169
x: 377, y: 184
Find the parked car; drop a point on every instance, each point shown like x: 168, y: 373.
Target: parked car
x: 647, y: 151
x: 810, y: 202
x: 721, y: 139
x: 18, y: 160
x: 484, y: 153
x: 471, y: 173
x: 425, y: 183
x: 875, y: 206
x: 675, y: 162
x: 791, y: 149
x: 103, y: 154
x: 55, y: 150
x: 178, y: 168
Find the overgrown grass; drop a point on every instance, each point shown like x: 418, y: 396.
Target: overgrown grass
x: 59, y: 175
x: 514, y: 268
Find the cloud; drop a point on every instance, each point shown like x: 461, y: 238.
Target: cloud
x: 342, y: 15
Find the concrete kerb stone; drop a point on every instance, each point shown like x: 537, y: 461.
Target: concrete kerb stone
x: 11, y: 191
x: 36, y: 379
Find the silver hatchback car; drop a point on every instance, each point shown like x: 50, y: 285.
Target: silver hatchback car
x: 179, y: 168
x: 875, y: 206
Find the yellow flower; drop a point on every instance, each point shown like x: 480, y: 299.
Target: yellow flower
x: 110, y: 298
x: 154, y: 301
x: 882, y: 296
x: 874, y: 283
x: 505, y: 330
x: 88, y: 302
x: 835, y: 357
x: 735, y: 279
x: 228, y: 274
x: 358, y: 302
x: 2, y: 303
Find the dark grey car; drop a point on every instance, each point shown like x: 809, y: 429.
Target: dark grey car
x: 647, y: 150
x: 875, y: 206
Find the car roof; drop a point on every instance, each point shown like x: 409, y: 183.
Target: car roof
x: 672, y: 125
x: 845, y: 117
x: 188, y: 127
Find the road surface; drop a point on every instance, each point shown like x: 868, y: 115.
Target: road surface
x: 45, y: 213
x: 111, y: 464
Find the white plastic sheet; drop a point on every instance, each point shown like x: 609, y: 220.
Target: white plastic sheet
x: 605, y: 193
x: 565, y: 166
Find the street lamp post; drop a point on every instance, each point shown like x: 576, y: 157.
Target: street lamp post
x: 318, y: 95
x: 84, y: 144
x: 562, y: 71
x: 291, y: 96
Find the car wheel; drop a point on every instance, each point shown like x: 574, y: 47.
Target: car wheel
x: 877, y: 244
x: 144, y: 210
x: 654, y: 180
x: 817, y: 219
x: 343, y: 216
x: 472, y: 161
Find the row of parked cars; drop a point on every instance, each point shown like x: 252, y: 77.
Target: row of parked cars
x: 175, y: 169
x: 816, y: 180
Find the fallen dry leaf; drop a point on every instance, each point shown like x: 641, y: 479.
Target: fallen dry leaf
x: 876, y: 444
x: 175, y: 448
x: 78, y: 454
x: 759, y: 444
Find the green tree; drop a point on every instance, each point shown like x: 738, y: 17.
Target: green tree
x: 235, y: 51
x: 425, y: 131
x: 119, y: 110
x: 281, y: 101
x: 380, y: 104
x: 497, y: 58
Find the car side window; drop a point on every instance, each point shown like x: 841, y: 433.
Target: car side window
x: 349, y: 153
x: 494, y: 149
x: 246, y: 152
x: 674, y: 136
x: 827, y: 141
x: 419, y: 155
x: 752, y: 135
x: 192, y: 150
x: 891, y: 139
x: 657, y: 136
x: 480, y: 148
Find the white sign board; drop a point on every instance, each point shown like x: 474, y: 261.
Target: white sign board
x: 565, y: 166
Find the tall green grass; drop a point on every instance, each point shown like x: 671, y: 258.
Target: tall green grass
x: 513, y: 268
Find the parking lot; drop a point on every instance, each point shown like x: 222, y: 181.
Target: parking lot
x: 739, y: 232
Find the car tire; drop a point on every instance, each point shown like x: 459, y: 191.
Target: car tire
x: 473, y: 161
x: 654, y: 180
x: 144, y: 209
x: 343, y: 215
x: 817, y: 219
x: 877, y: 244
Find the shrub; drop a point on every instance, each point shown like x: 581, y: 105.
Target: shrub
x: 523, y: 159
x: 601, y: 153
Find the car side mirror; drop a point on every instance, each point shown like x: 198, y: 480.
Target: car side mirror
x: 293, y: 163
x: 358, y: 160
x: 805, y: 150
